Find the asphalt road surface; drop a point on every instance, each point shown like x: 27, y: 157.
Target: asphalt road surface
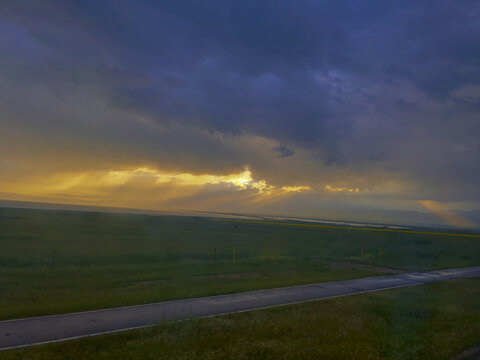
x: 38, y: 330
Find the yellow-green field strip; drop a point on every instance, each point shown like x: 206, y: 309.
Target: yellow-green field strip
x: 348, y: 228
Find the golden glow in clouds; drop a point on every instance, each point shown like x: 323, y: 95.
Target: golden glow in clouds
x: 337, y: 189
x: 143, y: 186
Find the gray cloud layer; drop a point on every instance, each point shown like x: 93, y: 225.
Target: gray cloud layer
x: 370, y: 93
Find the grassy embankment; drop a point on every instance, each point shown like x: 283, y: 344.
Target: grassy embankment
x: 434, y: 321
x: 63, y: 261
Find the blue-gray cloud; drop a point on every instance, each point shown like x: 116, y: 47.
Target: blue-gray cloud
x: 373, y: 85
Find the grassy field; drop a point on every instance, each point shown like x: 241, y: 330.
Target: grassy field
x: 434, y: 321
x: 63, y: 261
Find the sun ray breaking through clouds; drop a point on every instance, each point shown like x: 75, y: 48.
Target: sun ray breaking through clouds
x: 322, y: 109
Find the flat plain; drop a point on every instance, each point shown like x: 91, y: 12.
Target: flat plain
x: 63, y: 261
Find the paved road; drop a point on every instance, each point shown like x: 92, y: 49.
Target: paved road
x: 30, y: 331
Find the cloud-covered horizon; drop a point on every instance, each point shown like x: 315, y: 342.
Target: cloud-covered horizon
x: 322, y: 97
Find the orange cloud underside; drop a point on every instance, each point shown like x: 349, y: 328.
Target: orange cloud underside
x: 143, y: 185
x: 337, y: 189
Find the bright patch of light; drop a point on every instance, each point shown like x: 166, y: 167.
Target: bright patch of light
x: 338, y: 189
x: 128, y: 182
x: 295, y: 188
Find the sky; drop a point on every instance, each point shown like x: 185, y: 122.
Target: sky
x: 336, y: 109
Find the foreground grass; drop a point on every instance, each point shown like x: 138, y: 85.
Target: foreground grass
x: 41, y: 292
x: 64, y: 261
x: 434, y: 321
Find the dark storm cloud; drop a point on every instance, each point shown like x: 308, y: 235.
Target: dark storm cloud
x: 361, y: 85
x: 284, y: 151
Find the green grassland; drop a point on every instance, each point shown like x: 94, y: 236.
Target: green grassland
x: 433, y: 321
x: 62, y: 261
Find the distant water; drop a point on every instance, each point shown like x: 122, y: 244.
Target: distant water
x: 341, y: 223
